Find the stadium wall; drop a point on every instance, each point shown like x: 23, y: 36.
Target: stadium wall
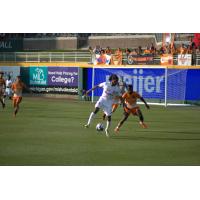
x: 121, y: 41
x: 63, y: 43
x: 73, y: 78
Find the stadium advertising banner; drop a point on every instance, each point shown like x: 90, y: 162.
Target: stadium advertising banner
x: 7, y: 45
x: 185, y: 59
x: 166, y: 59
x: 12, y: 71
x: 38, y: 75
x: 54, y: 79
x: 150, y: 83
x: 137, y: 60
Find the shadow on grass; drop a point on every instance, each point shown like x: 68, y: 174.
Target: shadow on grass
x: 151, y: 138
x: 168, y: 131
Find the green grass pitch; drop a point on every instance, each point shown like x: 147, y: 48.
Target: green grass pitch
x: 50, y: 132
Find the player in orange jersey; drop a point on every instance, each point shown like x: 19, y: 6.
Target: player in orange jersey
x: 17, y: 88
x: 2, y: 89
x: 130, y: 107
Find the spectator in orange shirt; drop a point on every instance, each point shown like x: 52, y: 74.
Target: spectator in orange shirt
x: 117, y: 57
x: 147, y: 50
x: 182, y: 49
x: 108, y: 51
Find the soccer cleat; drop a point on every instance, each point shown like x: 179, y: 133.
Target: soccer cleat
x: 107, y: 133
x: 116, y: 130
x: 87, y: 126
x: 143, y: 125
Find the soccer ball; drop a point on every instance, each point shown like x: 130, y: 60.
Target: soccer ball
x: 99, y: 127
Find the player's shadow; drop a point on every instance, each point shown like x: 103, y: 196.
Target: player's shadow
x: 151, y: 138
x: 168, y: 131
x: 154, y: 138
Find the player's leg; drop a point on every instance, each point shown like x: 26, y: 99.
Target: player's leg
x: 91, y: 117
x: 2, y: 102
x: 4, y: 98
x: 104, y: 116
x: 141, y: 118
x: 126, y: 115
x: 16, y: 105
x: 107, y: 108
x: 114, y: 108
x: 108, y: 123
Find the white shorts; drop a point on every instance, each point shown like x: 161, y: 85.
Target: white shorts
x: 8, y: 92
x: 105, y: 105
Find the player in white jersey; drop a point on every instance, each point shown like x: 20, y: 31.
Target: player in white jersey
x: 111, y: 91
x: 8, y: 91
x: 116, y: 102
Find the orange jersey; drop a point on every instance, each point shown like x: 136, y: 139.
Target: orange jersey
x: 2, y: 85
x: 131, y: 99
x: 17, y: 88
x: 2, y: 82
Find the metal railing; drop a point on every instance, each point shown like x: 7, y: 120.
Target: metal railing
x: 75, y: 56
x: 45, y: 57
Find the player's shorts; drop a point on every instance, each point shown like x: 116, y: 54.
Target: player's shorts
x: 132, y: 110
x: 105, y: 105
x: 16, y: 100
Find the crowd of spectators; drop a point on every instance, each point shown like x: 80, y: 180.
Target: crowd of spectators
x: 149, y: 50
x: 101, y: 55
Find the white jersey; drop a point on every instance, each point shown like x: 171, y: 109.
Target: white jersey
x: 110, y: 93
x: 8, y: 83
x: 8, y: 91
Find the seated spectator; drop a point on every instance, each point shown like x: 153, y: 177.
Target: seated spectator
x: 127, y: 52
x: 172, y: 49
x: 182, y: 49
x: 108, y: 51
x: 97, y: 49
x: 147, y: 51
x: 117, y: 57
x: 139, y: 50
x: 134, y: 52
x: 152, y: 49
x: 162, y: 50
x: 102, y: 58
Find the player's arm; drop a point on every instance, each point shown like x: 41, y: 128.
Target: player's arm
x: 4, y: 84
x: 122, y: 99
x: 142, y: 99
x: 88, y: 91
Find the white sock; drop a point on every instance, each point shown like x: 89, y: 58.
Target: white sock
x: 108, y: 123
x: 90, y: 118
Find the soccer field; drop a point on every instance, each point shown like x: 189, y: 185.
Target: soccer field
x: 51, y: 132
